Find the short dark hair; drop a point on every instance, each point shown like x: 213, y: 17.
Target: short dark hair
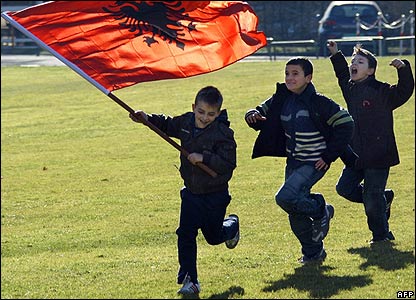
x: 210, y: 95
x: 372, y: 60
x: 305, y: 63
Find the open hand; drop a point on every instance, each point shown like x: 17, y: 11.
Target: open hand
x: 332, y: 47
x: 321, y: 165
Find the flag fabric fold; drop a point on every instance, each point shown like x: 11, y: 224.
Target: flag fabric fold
x: 121, y: 43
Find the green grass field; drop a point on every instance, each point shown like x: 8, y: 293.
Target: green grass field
x: 90, y: 200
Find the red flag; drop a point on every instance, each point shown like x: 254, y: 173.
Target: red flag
x: 121, y: 43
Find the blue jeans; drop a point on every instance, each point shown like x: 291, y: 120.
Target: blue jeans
x: 205, y: 212
x: 295, y: 198
x: 371, y: 192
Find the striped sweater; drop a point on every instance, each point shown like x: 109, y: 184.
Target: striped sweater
x: 303, y: 127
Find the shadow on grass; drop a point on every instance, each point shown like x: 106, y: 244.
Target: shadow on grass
x: 230, y: 293
x: 311, y: 279
x: 193, y: 296
x: 384, y: 256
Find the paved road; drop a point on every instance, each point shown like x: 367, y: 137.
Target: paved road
x: 29, y: 60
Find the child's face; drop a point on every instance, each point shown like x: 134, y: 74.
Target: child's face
x: 359, y: 69
x: 295, y: 79
x: 205, y: 114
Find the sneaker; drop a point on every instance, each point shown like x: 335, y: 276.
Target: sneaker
x: 189, y: 288
x: 389, y: 237
x: 389, y: 199
x: 317, y: 259
x: 320, y: 227
x: 231, y: 244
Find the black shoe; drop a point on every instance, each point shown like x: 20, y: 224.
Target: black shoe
x: 231, y: 244
x: 389, y: 237
x: 320, y: 227
x: 317, y: 259
x: 389, y: 194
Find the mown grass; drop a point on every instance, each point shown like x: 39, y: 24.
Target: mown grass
x: 90, y: 200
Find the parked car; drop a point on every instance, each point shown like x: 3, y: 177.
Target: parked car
x: 339, y: 20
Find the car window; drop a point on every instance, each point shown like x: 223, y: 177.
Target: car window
x: 337, y: 12
x: 367, y: 13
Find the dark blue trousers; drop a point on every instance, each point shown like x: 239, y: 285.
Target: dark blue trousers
x: 205, y: 212
x: 295, y: 198
x: 367, y: 186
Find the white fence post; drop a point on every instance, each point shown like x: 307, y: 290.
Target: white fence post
x: 402, y: 34
x: 380, y: 33
x: 357, y: 24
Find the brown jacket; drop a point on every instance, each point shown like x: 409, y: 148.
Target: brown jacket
x: 216, y: 142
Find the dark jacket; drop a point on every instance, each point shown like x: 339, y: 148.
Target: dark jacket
x: 334, y: 123
x: 371, y: 104
x: 216, y: 143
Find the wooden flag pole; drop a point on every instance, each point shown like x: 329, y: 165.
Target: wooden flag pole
x: 162, y: 134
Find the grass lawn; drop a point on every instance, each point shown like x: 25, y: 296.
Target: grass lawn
x: 90, y: 200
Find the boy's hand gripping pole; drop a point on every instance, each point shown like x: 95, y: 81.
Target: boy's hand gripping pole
x: 162, y: 134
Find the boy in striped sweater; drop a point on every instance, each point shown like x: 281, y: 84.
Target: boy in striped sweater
x: 311, y: 131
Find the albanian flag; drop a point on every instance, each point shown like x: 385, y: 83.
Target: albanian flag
x: 120, y: 43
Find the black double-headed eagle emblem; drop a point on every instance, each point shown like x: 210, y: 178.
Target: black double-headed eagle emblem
x: 153, y: 20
